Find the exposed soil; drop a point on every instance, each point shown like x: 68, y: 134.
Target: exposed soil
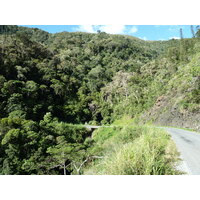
x: 166, y: 112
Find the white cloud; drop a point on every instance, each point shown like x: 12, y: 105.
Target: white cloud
x: 86, y: 28
x: 177, y: 38
x: 112, y: 29
x: 133, y: 29
x: 143, y: 38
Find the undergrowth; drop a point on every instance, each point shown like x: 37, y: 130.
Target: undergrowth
x: 133, y: 150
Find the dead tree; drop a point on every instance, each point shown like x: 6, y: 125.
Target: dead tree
x: 181, y: 33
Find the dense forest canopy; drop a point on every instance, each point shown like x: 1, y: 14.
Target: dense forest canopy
x: 50, y: 80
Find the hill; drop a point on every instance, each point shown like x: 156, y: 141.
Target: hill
x: 72, y: 68
x: 179, y: 104
x: 49, y: 81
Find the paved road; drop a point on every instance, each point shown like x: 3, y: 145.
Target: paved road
x: 93, y: 126
x: 188, y: 144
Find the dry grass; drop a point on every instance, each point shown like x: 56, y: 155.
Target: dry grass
x: 137, y: 151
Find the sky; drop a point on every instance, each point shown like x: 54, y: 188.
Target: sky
x: 145, y: 32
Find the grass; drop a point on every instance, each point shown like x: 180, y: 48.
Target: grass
x: 133, y: 150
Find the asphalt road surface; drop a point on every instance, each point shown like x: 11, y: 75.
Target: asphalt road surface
x: 188, y: 144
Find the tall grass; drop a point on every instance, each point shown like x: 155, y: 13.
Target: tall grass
x: 135, y: 150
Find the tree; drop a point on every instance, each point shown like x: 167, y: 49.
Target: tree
x: 197, y: 31
x: 181, y: 33
x: 192, y: 31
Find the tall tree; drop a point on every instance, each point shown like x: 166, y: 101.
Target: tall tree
x: 197, y: 31
x: 192, y: 31
x: 181, y: 33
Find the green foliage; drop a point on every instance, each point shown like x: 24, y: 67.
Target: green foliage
x: 134, y: 150
x: 50, y: 80
x: 197, y: 34
x: 28, y: 147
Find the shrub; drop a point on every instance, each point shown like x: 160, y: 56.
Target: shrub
x: 137, y: 151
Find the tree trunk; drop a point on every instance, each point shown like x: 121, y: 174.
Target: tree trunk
x: 64, y: 168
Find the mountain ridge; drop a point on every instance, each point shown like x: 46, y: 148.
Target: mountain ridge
x: 48, y: 82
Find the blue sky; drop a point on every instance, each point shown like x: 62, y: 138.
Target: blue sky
x: 146, y: 32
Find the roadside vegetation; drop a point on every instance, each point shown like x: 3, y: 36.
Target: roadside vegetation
x: 48, y: 82
x: 133, y: 150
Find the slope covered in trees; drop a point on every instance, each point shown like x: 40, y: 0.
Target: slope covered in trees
x: 50, y: 80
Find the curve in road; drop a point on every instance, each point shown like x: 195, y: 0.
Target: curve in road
x: 188, y: 144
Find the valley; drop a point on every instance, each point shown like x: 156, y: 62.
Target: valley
x: 57, y: 88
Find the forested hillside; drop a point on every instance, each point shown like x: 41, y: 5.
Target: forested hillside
x: 48, y: 81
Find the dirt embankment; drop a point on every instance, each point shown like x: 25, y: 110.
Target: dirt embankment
x: 167, y: 112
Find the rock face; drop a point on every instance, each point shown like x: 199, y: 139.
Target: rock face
x: 167, y: 112
x: 188, y: 120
